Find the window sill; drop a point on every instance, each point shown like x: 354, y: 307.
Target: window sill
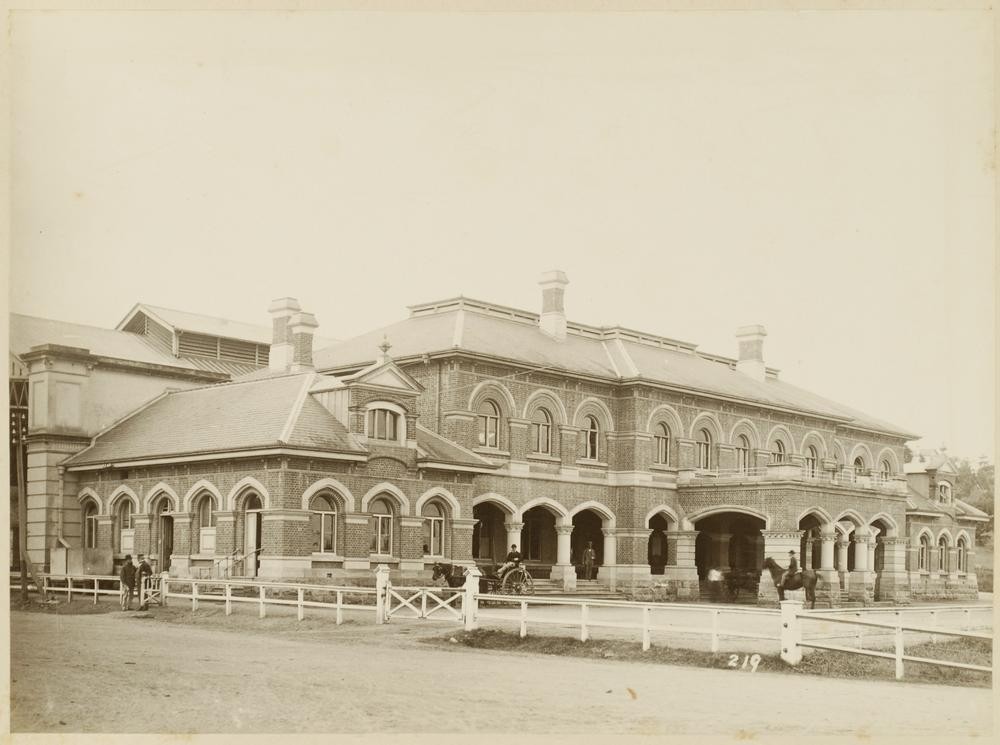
x: 662, y: 467
x: 319, y: 556
x: 588, y: 463
x: 496, y: 453
x: 544, y: 458
x: 383, y: 558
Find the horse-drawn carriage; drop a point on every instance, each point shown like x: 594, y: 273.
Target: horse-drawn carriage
x: 516, y: 581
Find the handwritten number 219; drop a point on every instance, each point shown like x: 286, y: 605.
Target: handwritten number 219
x: 752, y: 660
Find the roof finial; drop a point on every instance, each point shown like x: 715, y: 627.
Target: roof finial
x: 385, y: 346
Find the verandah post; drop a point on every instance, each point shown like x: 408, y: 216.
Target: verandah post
x: 469, y: 602
x: 381, y: 584
x: 791, y: 631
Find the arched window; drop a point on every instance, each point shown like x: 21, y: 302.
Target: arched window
x: 743, y: 454
x: 205, y: 510
x: 541, y: 432
x: 859, y: 466
x: 963, y: 555
x: 381, y: 527
x: 433, y: 516
x: 884, y: 470
x: 90, y: 525
x: 592, y: 436
x: 124, y: 522
x: 661, y: 439
x: 778, y: 453
x: 812, y: 461
x: 942, y: 562
x: 383, y: 424
x: 323, y: 523
x: 704, y: 445
x: 944, y: 491
x: 489, y: 425
x: 924, y: 556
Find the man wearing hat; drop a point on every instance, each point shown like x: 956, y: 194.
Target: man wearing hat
x: 793, y: 568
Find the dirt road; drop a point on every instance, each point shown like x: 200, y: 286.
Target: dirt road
x: 81, y: 674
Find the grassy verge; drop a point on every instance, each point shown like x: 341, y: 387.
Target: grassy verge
x: 828, y: 664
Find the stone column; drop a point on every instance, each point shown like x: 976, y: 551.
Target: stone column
x: 180, y: 557
x: 893, y: 580
x: 513, y: 536
x: 607, y: 572
x: 862, y: 581
x: 807, y: 555
x: 777, y: 544
x: 842, y: 563
x: 563, y: 570
x: 720, y: 546
x: 828, y: 584
x: 684, y: 572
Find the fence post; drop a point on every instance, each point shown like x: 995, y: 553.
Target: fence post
x: 791, y: 631
x: 715, y: 630
x: 899, y: 651
x: 934, y: 625
x: 340, y: 607
x: 194, y: 596
x: 469, y: 602
x: 229, y: 599
x: 423, y: 603
x: 645, y: 628
x: 381, y: 591
x: 263, y: 611
x: 69, y: 589
x: 523, y: 629
x: 164, y: 587
x: 95, y: 592
x: 584, y: 632
x: 302, y: 609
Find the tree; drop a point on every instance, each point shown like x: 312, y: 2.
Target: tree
x: 974, y: 486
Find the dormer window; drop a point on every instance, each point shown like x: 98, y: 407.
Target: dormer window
x: 384, y: 424
x: 944, y: 491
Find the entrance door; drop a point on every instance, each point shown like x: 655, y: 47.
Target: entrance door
x: 166, y: 546
x: 252, y: 543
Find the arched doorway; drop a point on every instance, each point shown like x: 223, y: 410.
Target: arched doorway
x: 658, y: 548
x: 252, y: 533
x: 587, y: 526
x: 538, y: 539
x: 489, y: 539
x: 729, y: 542
x: 162, y: 538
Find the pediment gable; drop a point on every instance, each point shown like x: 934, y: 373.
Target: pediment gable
x: 385, y: 375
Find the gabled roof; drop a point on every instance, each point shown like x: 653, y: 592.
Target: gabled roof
x: 464, y: 325
x: 181, y: 320
x: 384, y: 374
x: 917, y: 502
x: 30, y: 331
x: 930, y: 460
x: 230, y: 417
x: 966, y: 511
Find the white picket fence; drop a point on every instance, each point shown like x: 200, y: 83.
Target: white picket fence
x: 465, y: 605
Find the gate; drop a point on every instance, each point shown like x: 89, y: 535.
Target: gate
x: 423, y: 602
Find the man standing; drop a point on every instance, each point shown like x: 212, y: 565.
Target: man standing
x: 127, y: 577
x: 589, y: 557
x: 145, y: 570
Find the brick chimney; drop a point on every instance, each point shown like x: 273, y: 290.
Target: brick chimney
x: 553, y: 318
x: 280, y: 356
x: 751, y: 346
x: 301, y: 328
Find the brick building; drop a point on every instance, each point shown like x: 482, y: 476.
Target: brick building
x: 470, y: 426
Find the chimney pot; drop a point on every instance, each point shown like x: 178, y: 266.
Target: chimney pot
x: 750, y: 340
x: 553, y: 317
x: 280, y: 356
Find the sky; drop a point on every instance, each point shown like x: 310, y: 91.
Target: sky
x: 828, y: 175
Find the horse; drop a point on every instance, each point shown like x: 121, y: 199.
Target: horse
x: 739, y: 579
x: 447, y: 571
x: 805, y: 579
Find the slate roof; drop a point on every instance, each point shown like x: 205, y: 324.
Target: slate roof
x: 30, y: 331
x: 472, y: 326
x: 915, y: 501
x: 964, y: 509
x: 433, y: 447
x: 927, y: 459
x: 276, y: 412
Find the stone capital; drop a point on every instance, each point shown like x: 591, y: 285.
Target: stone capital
x: 827, y: 537
x: 513, y: 526
x: 564, y: 529
x: 781, y: 534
